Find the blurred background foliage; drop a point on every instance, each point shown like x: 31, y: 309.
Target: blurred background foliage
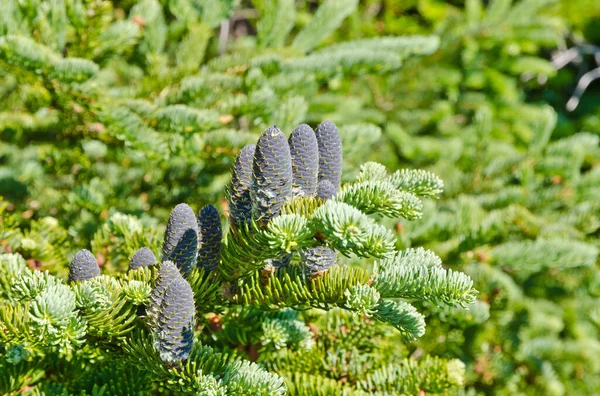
x: 112, y: 112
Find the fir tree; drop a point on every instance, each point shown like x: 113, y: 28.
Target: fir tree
x: 179, y: 342
x: 114, y: 112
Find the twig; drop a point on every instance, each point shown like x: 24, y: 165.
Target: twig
x: 582, y: 85
x: 575, y: 55
x: 223, y: 36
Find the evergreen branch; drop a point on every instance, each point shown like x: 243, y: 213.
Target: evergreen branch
x: 402, y: 316
x: 350, y: 62
x: 12, y: 266
x: 120, y: 37
x: 526, y: 258
x: 185, y: 120
x: 288, y: 232
x: 349, y: 230
x: 543, y: 132
x: 104, y: 310
x: 17, y: 376
x: 302, y: 206
x: 290, y: 287
x: 127, y: 126
x: 243, y: 252
x: 403, y: 46
x: 432, y: 374
x: 206, y: 289
x: 115, y: 321
x: 418, y: 182
x: 362, y: 299
x: 276, y: 22
x: 14, y: 326
x: 327, y: 18
x: 316, y: 384
x: 227, y: 374
x: 417, y: 274
x: 381, y: 197
x: 22, y: 52
x: 372, y: 171
x: 74, y: 70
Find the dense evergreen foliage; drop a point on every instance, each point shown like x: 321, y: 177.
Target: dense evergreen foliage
x: 245, y: 197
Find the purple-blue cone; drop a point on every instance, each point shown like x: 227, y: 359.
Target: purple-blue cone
x: 317, y: 259
x: 83, y: 267
x: 181, y: 238
x: 172, y: 314
x: 279, y: 262
x: 330, y: 153
x: 142, y: 258
x: 209, y: 223
x: 326, y: 190
x: 271, y: 175
x: 185, y: 253
x: 167, y: 273
x: 238, y: 192
x: 304, y: 150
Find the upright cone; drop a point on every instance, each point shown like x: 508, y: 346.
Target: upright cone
x: 83, y: 267
x: 330, y: 153
x: 271, y: 175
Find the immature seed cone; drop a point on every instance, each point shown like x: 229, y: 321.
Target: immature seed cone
x: 326, y: 190
x: 181, y: 238
x: 167, y: 274
x: 83, y: 267
x: 271, y: 174
x: 305, y: 161
x: 279, y: 262
x: 142, y: 258
x: 185, y: 253
x: 173, y: 315
x: 317, y: 258
x: 330, y: 153
x: 209, y: 223
x: 238, y: 192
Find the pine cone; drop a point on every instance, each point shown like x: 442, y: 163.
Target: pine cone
x: 305, y: 161
x: 167, y: 274
x: 271, y: 174
x: 279, y: 262
x: 83, y: 267
x: 326, y: 190
x: 238, y: 192
x: 209, y: 223
x: 317, y: 258
x: 176, y: 320
x: 181, y: 238
x: 330, y: 153
x: 185, y: 253
x: 142, y: 258
x: 172, y: 314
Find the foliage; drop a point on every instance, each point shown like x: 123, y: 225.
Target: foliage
x: 312, y: 270
x: 156, y: 318
x: 95, y: 91
x: 525, y: 229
